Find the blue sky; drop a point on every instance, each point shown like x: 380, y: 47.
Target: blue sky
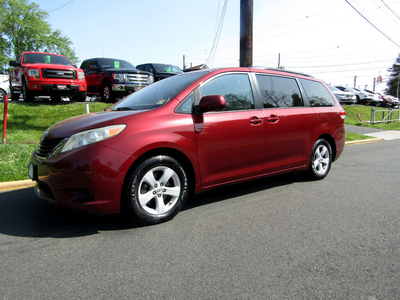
x: 325, y: 38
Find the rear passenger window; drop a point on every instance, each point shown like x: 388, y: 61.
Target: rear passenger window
x: 234, y: 87
x: 279, y: 91
x: 317, y: 93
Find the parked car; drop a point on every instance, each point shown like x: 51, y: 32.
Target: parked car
x: 46, y: 74
x: 389, y: 101
x: 188, y: 134
x: 376, y: 98
x: 4, y: 89
x: 361, y: 97
x: 112, y: 78
x: 160, y: 71
x: 343, y: 97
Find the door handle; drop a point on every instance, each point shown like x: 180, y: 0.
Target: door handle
x: 273, y: 119
x: 255, y: 120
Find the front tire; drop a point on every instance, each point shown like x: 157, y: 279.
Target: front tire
x: 26, y: 93
x: 157, y: 190
x: 321, y: 160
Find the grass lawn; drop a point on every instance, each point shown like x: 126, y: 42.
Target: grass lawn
x: 27, y: 122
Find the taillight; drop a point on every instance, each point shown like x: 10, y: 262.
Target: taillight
x: 342, y: 115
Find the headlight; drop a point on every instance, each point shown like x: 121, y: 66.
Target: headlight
x: 34, y: 73
x: 88, y: 137
x: 120, y: 77
x: 151, y: 78
x: 81, y: 76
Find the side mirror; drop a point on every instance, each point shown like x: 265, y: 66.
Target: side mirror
x: 211, y: 103
x: 14, y: 63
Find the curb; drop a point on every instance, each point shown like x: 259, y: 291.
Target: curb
x: 22, y: 184
x: 363, y: 141
x: 16, y: 185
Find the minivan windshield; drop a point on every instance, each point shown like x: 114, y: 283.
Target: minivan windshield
x: 159, y: 93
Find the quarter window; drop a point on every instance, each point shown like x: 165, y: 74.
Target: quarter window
x: 235, y: 88
x: 317, y: 93
x: 279, y: 91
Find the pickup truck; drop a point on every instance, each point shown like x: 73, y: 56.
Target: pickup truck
x: 46, y: 74
x: 160, y: 71
x: 112, y: 78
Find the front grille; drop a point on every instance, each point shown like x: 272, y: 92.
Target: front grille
x: 46, y: 147
x: 59, y: 74
x: 138, y: 78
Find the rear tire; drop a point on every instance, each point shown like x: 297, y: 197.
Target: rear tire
x: 321, y: 160
x: 107, y: 94
x: 156, y: 191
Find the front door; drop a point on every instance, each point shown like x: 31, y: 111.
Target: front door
x: 230, y: 143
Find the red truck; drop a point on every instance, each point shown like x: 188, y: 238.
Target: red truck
x: 46, y: 74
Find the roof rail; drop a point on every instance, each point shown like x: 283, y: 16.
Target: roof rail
x: 281, y: 70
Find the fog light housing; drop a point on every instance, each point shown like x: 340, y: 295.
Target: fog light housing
x: 36, y: 86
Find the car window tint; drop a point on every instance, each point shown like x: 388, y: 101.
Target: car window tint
x: 234, y: 87
x: 279, y: 91
x: 317, y: 94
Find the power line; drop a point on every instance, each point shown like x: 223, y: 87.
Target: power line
x: 217, y: 34
x: 391, y: 10
x: 61, y: 6
x: 372, y: 24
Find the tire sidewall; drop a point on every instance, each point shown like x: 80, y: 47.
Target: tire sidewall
x: 132, y: 205
x: 312, y: 170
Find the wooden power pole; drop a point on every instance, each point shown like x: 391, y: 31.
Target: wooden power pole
x: 246, y: 33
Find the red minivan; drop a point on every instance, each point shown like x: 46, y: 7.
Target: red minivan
x: 187, y: 134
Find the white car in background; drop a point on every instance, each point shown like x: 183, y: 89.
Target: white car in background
x: 362, y: 97
x: 376, y: 98
x: 343, y: 97
x: 4, y: 89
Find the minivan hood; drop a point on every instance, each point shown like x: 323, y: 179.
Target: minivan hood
x: 85, y: 122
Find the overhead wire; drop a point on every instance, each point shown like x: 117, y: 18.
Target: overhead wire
x: 390, y: 9
x: 372, y: 24
x: 217, y: 34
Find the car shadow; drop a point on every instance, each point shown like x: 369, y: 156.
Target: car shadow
x: 23, y: 214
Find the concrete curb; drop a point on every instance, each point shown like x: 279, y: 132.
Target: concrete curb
x: 363, y: 141
x: 16, y: 185
x: 22, y: 184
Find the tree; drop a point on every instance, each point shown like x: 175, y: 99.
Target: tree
x: 23, y: 28
x: 394, y: 79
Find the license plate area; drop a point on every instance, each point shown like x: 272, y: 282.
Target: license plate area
x: 32, y: 171
x: 62, y: 87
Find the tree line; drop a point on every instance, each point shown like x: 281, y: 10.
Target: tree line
x: 24, y: 27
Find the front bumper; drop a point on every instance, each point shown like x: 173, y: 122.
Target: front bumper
x: 89, y: 178
x: 127, y: 88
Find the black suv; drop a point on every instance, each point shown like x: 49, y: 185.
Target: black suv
x: 111, y: 77
x: 160, y: 71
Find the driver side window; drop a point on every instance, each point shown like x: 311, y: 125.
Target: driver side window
x: 235, y: 88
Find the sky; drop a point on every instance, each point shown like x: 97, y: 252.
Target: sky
x: 343, y: 42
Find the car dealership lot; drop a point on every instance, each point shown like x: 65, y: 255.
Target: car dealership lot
x: 275, y: 238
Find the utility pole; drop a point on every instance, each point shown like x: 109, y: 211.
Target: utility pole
x: 279, y: 61
x: 355, y: 81
x: 246, y: 33
x: 183, y: 62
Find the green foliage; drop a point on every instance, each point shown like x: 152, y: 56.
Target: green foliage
x: 393, y: 84
x: 23, y: 28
